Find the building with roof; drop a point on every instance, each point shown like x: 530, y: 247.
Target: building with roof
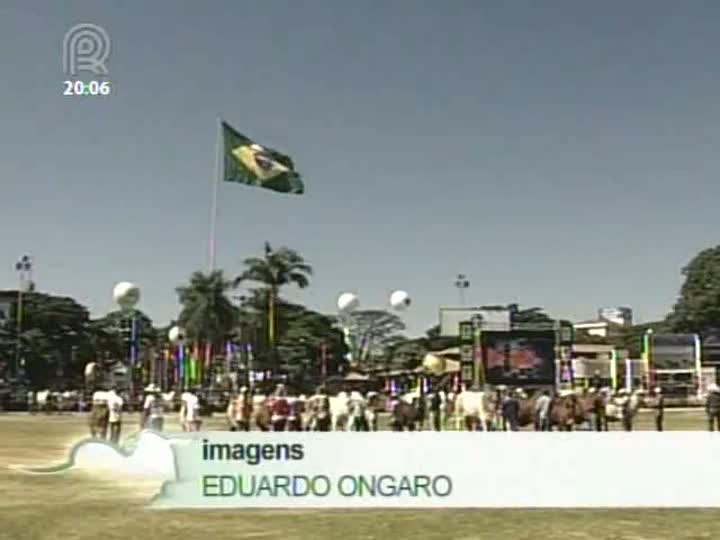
x: 607, y: 319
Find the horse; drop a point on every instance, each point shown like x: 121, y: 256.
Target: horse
x: 582, y: 409
x: 406, y: 413
x: 624, y: 409
x: 339, y: 410
x: 565, y: 411
x: 374, y: 405
x: 357, y: 419
x: 261, y: 413
x: 297, y: 409
x: 526, y: 413
x: 420, y: 402
x: 44, y: 401
x: 320, y: 413
x: 475, y: 409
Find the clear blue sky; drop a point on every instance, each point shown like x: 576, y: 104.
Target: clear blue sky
x: 560, y: 153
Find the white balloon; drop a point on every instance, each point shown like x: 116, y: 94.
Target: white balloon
x: 126, y: 295
x: 400, y: 300
x: 347, y: 302
x: 176, y: 334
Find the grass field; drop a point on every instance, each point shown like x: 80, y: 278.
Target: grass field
x: 53, y: 508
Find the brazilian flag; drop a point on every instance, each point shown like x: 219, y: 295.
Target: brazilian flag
x: 247, y: 162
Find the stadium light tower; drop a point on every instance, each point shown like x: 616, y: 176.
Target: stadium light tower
x: 461, y: 284
x: 23, y: 267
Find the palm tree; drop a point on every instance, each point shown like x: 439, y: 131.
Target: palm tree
x: 273, y: 271
x: 207, y: 313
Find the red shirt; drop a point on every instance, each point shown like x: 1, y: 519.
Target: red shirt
x: 280, y: 407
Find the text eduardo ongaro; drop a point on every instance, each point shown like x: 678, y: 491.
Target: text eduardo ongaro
x: 303, y: 485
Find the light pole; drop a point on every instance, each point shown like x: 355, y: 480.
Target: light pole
x: 23, y: 267
x: 461, y: 284
x: 647, y: 356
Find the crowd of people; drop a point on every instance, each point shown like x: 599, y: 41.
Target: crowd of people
x: 107, y: 407
x: 498, y: 409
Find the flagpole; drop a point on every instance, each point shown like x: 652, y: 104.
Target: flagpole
x: 215, y: 185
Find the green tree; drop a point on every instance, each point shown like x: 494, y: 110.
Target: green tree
x: 697, y: 309
x: 108, y: 337
x: 529, y: 315
x: 631, y: 337
x: 207, y: 314
x: 408, y: 353
x: 375, y: 331
x: 273, y: 271
x: 304, y: 335
x: 54, y: 336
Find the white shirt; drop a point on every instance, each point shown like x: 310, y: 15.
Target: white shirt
x: 192, y: 407
x: 100, y: 396
x: 115, y: 403
x: 542, y: 406
x: 154, y: 405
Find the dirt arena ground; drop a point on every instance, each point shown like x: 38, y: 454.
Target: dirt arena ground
x: 78, y: 506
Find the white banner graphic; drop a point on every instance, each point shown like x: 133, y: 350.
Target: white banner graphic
x: 445, y: 470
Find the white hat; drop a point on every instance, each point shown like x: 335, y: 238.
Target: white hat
x: 658, y: 390
x: 591, y: 390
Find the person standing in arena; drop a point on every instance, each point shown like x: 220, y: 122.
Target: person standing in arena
x: 99, y: 415
x: 712, y: 407
x: 322, y: 416
x: 31, y: 402
x: 153, y: 409
x: 435, y: 410
x: 511, y: 411
x: 240, y: 410
x: 190, y: 411
x: 500, y: 397
x: 280, y: 409
x: 599, y: 405
x: 115, y: 407
x: 542, y: 412
x: 659, y: 409
x: 627, y: 410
